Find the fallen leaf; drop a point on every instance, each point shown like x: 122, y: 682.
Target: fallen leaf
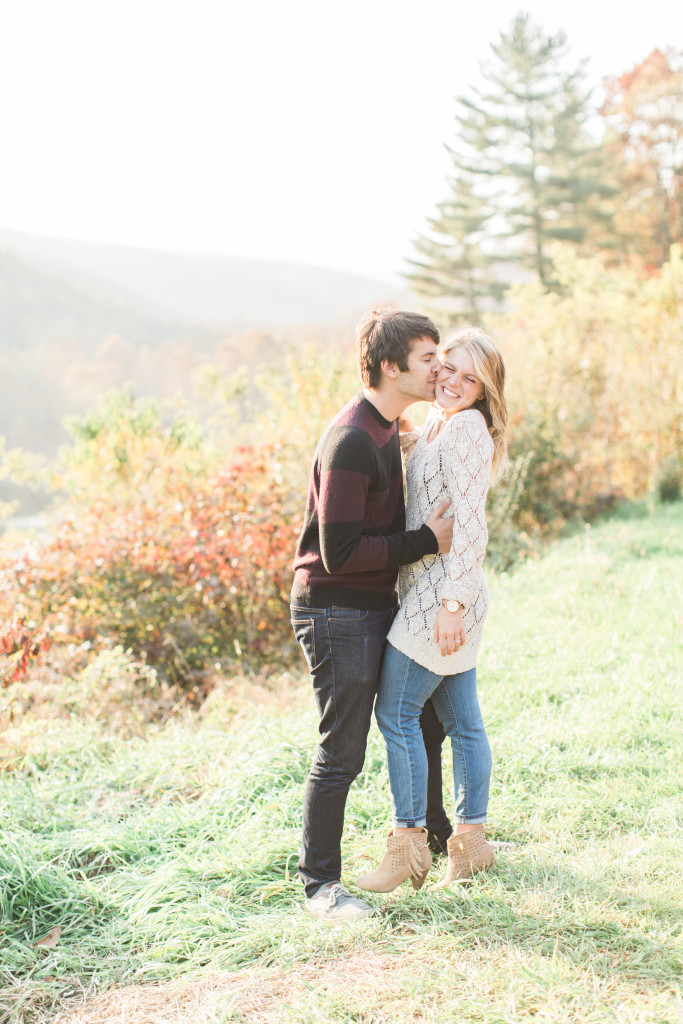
x: 49, y: 940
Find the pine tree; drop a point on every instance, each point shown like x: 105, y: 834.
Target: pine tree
x: 522, y: 147
x: 454, y: 271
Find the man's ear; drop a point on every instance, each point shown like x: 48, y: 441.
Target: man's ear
x: 389, y: 368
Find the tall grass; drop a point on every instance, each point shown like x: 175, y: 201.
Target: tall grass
x: 170, y: 858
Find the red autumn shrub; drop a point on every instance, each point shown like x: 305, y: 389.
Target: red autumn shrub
x: 159, y: 551
x: 19, y: 646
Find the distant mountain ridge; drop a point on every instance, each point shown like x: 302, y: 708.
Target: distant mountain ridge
x: 79, y: 318
x: 39, y: 308
x: 169, y: 294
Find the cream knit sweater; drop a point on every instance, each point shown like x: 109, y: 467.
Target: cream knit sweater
x: 456, y: 464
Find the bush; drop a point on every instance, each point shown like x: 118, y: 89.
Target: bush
x: 595, y: 387
x: 20, y: 645
x: 111, y: 694
x: 159, y: 551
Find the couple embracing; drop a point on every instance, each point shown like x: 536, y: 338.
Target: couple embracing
x: 418, y: 661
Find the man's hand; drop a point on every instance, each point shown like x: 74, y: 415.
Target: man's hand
x: 440, y: 527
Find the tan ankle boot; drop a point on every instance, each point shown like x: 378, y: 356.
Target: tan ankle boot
x: 407, y: 856
x: 467, y: 853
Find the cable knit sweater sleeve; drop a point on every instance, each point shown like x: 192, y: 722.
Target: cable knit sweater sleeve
x: 466, y: 452
x: 408, y: 442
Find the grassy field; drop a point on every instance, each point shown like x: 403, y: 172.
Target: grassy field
x: 168, y: 859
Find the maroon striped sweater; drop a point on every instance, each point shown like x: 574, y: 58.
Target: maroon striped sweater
x: 354, y: 537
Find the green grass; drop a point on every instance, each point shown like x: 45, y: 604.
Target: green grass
x: 170, y: 859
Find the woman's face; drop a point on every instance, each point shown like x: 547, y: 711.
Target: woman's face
x: 457, y: 385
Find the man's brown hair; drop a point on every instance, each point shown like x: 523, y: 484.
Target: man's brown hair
x: 389, y: 334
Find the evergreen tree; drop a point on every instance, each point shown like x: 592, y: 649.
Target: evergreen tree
x: 454, y: 273
x: 523, y: 150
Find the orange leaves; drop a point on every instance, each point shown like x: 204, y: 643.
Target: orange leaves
x: 20, y: 645
x: 643, y: 111
x: 175, y: 577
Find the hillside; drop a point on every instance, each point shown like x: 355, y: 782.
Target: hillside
x: 167, y: 855
x: 218, y: 292
x: 78, y: 318
x: 41, y: 307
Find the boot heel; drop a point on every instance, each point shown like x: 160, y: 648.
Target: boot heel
x: 406, y: 857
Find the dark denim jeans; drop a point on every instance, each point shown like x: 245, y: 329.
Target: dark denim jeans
x: 343, y: 649
x: 433, y: 734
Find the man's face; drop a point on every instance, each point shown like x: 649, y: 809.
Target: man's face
x: 419, y: 380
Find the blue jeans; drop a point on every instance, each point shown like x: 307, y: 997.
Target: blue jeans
x: 343, y: 649
x: 404, y: 687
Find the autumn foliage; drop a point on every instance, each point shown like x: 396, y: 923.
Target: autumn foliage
x: 643, y: 115
x: 158, y: 550
x: 595, y: 388
x: 20, y: 646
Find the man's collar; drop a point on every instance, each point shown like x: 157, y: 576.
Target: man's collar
x: 371, y: 398
x: 376, y: 400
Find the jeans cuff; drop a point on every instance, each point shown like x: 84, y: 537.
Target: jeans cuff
x: 461, y: 819
x: 410, y: 823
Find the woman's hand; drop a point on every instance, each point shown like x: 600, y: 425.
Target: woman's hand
x: 449, y: 631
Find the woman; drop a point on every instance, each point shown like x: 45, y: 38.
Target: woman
x: 434, y: 639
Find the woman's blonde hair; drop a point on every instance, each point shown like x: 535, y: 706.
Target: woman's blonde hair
x: 490, y: 369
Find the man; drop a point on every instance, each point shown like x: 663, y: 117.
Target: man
x: 346, y: 565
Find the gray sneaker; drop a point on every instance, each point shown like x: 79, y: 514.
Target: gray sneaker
x: 332, y: 902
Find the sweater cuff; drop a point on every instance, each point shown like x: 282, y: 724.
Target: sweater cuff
x: 455, y: 593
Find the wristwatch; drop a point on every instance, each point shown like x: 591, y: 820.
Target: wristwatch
x: 451, y: 606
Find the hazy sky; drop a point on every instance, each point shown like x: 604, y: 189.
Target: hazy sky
x: 292, y: 129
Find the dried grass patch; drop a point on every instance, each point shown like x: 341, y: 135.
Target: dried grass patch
x: 372, y: 988
x: 252, y: 996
